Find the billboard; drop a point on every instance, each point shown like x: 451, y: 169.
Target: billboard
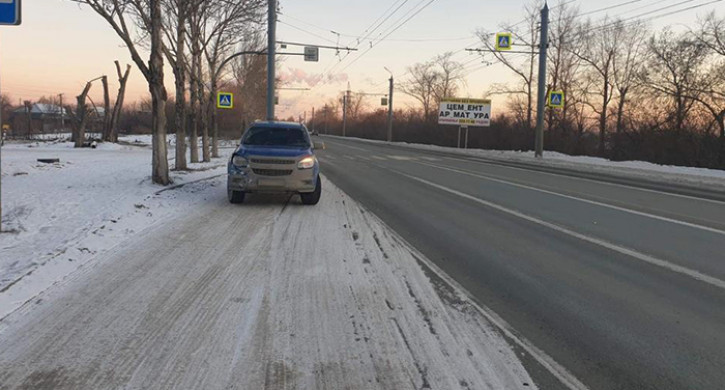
x: 465, y: 112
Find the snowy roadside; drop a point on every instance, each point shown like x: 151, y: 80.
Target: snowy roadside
x: 688, y: 176
x: 60, y: 216
x: 268, y: 294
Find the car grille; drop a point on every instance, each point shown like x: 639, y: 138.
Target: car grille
x: 272, y: 172
x: 272, y: 161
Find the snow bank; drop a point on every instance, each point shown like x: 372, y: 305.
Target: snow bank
x: 673, y: 174
x: 59, y: 216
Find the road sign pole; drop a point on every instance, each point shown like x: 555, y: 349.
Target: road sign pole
x: 458, y: 144
x: 271, y: 51
x: 544, y: 43
x: 466, y: 144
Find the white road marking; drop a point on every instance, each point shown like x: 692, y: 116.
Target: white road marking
x: 350, y: 146
x: 497, y: 163
x: 626, y: 210
x: 561, y: 373
x: 379, y: 158
x: 697, y: 275
x: 401, y: 158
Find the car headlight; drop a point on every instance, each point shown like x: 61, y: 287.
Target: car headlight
x: 307, y: 162
x: 240, y: 162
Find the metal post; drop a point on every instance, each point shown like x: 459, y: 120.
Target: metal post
x: 313, y: 119
x: 544, y: 43
x: 458, y: 144
x: 62, y: 114
x: 466, y: 144
x: 390, y: 111
x: 344, y: 114
x: 271, y: 48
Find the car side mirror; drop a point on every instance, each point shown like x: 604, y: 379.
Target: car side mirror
x: 319, y: 145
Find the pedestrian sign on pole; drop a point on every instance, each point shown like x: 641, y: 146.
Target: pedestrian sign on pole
x: 503, y: 42
x: 556, y: 99
x: 10, y: 12
x: 225, y: 100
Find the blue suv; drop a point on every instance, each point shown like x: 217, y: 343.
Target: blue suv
x: 275, y: 157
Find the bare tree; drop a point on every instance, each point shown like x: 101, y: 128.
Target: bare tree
x: 421, y: 86
x: 118, y: 106
x: 675, y: 71
x: 197, y: 17
x: 450, y: 76
x: 79, y: 118
x: 628, y: 67
x: 524, y: 35
x: 598, y: 52
x: 122, y: 16
x: 225, y: 29
x: 565, y: 65
x: 711, y: 33
x: 250, y: 74
x: 175, y: 28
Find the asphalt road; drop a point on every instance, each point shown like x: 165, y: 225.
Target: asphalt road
x: 623, y: 286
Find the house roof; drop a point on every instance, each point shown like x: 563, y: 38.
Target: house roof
x: 42, y: 109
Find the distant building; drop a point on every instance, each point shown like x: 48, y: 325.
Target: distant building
x: 38, y: 118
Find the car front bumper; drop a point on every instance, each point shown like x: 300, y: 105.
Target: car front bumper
x: 273, y: 180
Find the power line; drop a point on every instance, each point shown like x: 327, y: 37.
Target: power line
x: 390, y: 33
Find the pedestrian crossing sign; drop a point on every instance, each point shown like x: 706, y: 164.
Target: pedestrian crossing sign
x: 556, y: 99
x: 503, y: 42
x: 225, y: 100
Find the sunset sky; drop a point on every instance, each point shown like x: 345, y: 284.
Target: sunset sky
x: 61, y: 44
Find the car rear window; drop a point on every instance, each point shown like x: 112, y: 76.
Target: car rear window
x: 276, y: 136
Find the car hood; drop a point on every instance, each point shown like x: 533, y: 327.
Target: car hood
x: 271, y: 151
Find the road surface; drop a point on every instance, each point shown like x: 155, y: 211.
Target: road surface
x: 623, y: 286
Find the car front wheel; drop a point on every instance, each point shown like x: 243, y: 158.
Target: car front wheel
x: 313, y: 198
x: 235, y: 196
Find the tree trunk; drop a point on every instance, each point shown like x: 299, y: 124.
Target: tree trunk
x: 160, y: 164
x: 194, y: 95
x: 213, y: 114
x: 203, y: 114
x: 105, y: 135
x: 118, y: 107
x: 81, y: 117
x: 620, y: 110
x: 213, y: 110
x: 180, y: 77
x: 603, y: 119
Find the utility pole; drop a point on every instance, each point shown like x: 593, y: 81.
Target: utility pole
x: 325, y: 118
x: 313, y: 119
x: 345, y: 102
x: 271, y: 49
x: 62, y: 113
x: 390, y: 108
x: 544, y: 43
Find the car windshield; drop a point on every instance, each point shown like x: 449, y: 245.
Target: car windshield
x: 276, y: 136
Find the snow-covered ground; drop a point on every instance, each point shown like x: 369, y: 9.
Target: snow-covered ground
x: 269, y: 294
x: 59, y: 216
x: 700, y: 177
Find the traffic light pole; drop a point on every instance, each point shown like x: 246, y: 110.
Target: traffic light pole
x: 544, y: 43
